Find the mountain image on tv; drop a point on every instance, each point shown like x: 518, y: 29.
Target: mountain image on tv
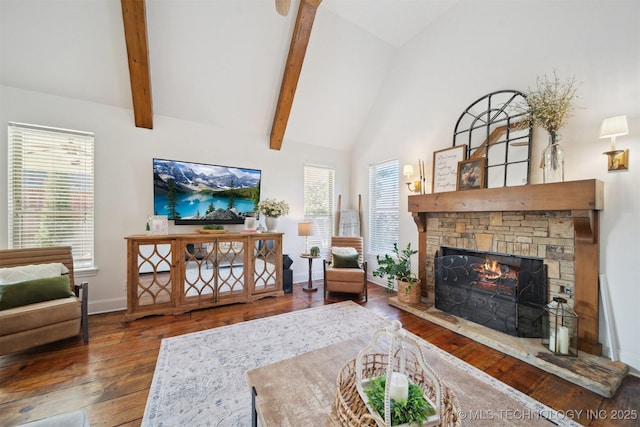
x: 205, y: 194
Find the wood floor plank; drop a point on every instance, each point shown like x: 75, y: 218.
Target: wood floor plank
x: 110, y: 377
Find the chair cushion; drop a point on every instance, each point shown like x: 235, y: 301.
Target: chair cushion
x: 32, y: 271
x: 346, y: 261
x: 39, y: 315
x: 345, y: 275
x: 339, y: 250
x: 33, y: 291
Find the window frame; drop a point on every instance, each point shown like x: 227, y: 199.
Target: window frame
x: 383, y: 208
x: 324, y: 223
x: 51, y: 190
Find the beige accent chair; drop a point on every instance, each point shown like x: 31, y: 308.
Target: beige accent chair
x: 347, y: 280
x: 43, y: 322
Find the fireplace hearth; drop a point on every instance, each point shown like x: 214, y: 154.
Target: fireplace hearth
x: 503, y: 292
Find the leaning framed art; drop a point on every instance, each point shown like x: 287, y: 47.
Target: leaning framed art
x: 445, y: 168
x: 471, y: 174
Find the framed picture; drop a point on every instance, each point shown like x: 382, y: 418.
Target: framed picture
x: 471, y: 174
x: 157, y: 224
x: 445, y: 168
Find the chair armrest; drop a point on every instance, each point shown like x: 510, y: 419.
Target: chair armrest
x: 84, y: 299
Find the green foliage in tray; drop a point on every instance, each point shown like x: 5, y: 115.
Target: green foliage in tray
x: 414, y: 410
x: 213, y: 227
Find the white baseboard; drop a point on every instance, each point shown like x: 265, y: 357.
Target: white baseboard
x: 107, y: 305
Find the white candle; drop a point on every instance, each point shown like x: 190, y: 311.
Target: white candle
x: 399, y: 388
x: 552, y: 341
x: 563, y: 340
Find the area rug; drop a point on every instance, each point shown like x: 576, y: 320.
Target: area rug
x: 200, y: 378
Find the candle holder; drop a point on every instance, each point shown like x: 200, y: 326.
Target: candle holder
x: 395, y: 364
x: 560, y: 328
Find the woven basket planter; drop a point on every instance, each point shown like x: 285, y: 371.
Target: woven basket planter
x: 349, y: 409
x: 410, y: 297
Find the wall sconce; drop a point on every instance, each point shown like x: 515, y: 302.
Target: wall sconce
x: 610, y: 128
x: 306, y: 229
x: 408, y: 172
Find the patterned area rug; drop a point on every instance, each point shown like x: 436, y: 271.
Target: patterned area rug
x: 200, y: 378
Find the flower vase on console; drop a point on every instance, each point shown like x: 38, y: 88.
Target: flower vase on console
x: 553, y: 160
x: 272, y: 223
x: 272, y: 211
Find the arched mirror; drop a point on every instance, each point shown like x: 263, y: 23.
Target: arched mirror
x: 492, y: 127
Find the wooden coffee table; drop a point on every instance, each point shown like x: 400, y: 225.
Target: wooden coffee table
x: 300, y: 391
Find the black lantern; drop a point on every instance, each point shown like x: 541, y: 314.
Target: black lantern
x: 560, y: 328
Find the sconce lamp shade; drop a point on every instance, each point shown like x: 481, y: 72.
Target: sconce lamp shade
x: 306, y: 229
x: 611, y: 128
x: 614, y: 126
x: 407, y: 171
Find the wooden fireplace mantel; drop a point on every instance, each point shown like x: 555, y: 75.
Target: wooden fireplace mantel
x: 583, y: 198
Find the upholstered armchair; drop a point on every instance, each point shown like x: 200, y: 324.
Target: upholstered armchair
x: 346, y: 270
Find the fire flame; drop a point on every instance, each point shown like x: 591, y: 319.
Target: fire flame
x: 492, y: 266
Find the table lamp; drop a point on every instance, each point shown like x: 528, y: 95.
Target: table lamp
x: 306, y: 229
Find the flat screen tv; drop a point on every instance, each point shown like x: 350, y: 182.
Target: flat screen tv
x: 197, y: 193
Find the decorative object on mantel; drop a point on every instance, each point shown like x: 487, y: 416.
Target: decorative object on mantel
x: 413, y: 393
x: 273, y: 209
x: 550, y: 105
x: 470, y: 174
x: 445, y: 168
x: 495, y: 127
x: 560, y: 328
x: 398, y: 266
x: 611, y: 128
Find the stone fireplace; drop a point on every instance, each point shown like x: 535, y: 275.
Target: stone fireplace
x: 556, y: 223
x: 503, y: 292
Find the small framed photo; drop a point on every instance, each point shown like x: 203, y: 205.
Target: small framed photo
x: 157, y: 225
x: 445, y: 164
x: 471, y: 174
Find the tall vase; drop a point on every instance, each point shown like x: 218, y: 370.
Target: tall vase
x: 553, y: 160
x: 271, y: 222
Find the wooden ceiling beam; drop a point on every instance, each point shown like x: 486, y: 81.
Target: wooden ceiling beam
x: 297, y: 51
x: 135, y: 34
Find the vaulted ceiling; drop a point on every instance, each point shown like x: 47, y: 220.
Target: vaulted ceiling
x: 219, y: 62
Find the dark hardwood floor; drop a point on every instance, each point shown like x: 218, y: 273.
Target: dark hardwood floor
x: 110, y: 377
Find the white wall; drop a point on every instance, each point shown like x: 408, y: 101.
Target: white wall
x: 124, y: 179
x: 481, y: 47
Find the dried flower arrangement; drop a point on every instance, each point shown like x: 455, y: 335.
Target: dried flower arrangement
x: 551, y: 103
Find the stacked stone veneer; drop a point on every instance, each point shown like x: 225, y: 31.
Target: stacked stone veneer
x: 546, y: 235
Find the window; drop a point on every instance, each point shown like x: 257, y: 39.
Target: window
x: 51, y: 190
x: 383, y: 206
x: 318, y: 204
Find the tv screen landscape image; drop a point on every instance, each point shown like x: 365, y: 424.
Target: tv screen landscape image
x: 197, y: 193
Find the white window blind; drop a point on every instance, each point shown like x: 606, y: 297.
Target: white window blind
x: 318, y: 204
x: 383, y: 206
x: 51, y: 201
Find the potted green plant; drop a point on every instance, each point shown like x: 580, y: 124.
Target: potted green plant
x: 397, y: 266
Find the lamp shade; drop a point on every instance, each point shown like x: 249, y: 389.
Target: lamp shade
x: 407, y: 170
x: 306, y: 229
x: 614, y: 126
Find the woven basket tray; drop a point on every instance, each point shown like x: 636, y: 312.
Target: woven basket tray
x: 349, y: 409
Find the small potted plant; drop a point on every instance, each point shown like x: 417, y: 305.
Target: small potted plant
x: 397, y: 266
